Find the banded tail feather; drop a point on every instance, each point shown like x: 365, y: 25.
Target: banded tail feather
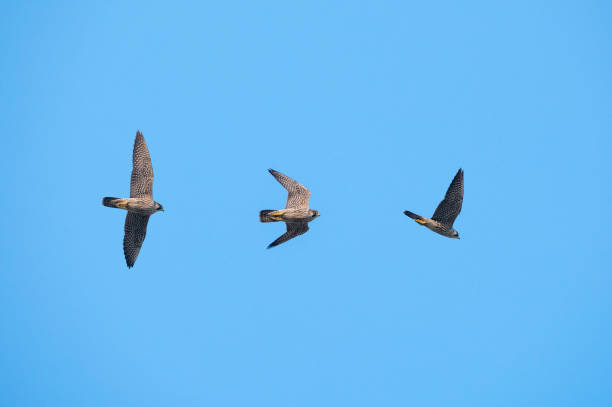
x: 263, y: 216
x: 413, y: 215
x: 111, y: 202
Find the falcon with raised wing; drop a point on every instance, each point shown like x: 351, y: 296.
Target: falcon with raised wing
x: 443, y: 218
x: 140, y: 205
x: 296, y: 214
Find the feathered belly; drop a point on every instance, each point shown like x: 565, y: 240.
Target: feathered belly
x: 141, y: 206
x: 297, y: 214
x: 436, y: 227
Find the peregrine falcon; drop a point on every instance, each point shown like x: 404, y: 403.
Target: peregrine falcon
x: 140, y: 205
x: 296, y: 214
x: 443, y: 218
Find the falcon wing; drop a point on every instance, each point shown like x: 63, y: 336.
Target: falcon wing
x: 449, y: 208
x: 135, y: 232
x: 141, y: 183
x: 298, y: 193
x: 293, y: 229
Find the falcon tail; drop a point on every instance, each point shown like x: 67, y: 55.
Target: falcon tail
x: 265, y: 217
x: 114, y: 202
x: 413, y: 215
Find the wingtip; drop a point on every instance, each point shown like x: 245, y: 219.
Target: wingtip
x: 271, y: 245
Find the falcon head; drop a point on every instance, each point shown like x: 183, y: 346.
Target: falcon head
x: 455, y: 234
x: 158, y: 207
x: 313, y: 213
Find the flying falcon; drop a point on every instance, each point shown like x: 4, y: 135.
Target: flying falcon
x: 296, y: 214
x: 140, y: 205
x: 443, y: 218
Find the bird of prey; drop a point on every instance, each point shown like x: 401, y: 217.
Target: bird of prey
x: 443, y: 218
x: 140, y: 205
x: 296, y: 214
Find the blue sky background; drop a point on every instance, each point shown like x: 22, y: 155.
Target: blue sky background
x: 373, y: 106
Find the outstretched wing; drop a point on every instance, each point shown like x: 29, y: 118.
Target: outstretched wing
x: 293, y: 230
x: 135, y: 232
x: 141, y: 184
x: 298, y: 193
x: 449, y: 208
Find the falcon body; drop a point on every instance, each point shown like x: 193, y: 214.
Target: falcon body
x: 447, y: 211
x: 289, y: 215
x: 297, y: 212
x: 433, y: 225
x: 140, y: 205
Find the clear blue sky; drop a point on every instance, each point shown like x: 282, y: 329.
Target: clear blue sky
x: 373, y: 106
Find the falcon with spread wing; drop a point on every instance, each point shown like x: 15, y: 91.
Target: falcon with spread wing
x: 296, y: 214
x: 443, y: 218
x: 140, y: 205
